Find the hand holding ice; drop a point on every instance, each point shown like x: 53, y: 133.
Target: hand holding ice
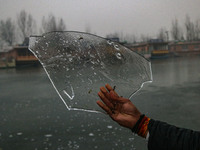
x: 77, y: 64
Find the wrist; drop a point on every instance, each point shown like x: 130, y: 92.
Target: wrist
x: 141, y: 126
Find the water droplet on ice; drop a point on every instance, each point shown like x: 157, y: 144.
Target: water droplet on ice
x: 109, y: 42
x: 10, y: 136
x: 48, y: 135
x: 118, y: 55
x: 131, y: 139
x: 109, y: 127
x: 96, y: 147
x: 32, y: 140
x: 83, y: 130
x: 116, y: 47
x: 91, y: 134
x: 80, y: 38
x: 92, y: 56
x: 19, y: 133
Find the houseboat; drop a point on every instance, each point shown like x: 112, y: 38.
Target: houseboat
x: 184, y: 48
x: 158, y: 49
x: 153, y: 49
x: 6, y: 61
x: 22, y: 56
x: 17, y: 56
x: 141, y: 48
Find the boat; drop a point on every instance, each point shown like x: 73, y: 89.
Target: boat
x: 158, y: 48
x: 153, y: 49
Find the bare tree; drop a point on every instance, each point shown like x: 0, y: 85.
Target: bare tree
x: 190, y: 29
x: 197, y: 30
x: 176, y: 32
x: 1, y: 44
x: 7, y: 31
x: 163, y: 34
x: 130, y: 38
x: 50, y: 24
x: 61, y: 25
x: 112, y: 35
x: 144, y: 38
x: 26, y: 24
x: 134, y: 38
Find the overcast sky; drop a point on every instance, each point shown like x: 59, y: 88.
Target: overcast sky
x: 108, y: 16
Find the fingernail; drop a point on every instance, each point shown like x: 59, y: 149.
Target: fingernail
x: 109, y: 86
x: 103, y: 89
x: 100, y: 94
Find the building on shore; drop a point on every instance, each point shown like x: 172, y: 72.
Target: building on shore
x: 23, y: 56
x: 17, y: 56
x: 153, y: 49
x: 141, y: 48
x: 5, y: 60
x: 184, y: 48
x: 160, y: 49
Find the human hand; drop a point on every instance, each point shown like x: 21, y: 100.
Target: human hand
x: 120, y: 109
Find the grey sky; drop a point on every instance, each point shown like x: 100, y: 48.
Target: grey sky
x: 108, y: 16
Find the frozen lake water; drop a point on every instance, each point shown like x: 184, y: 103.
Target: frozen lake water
x: 33, y: 117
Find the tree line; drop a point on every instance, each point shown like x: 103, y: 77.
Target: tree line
x: 189, y: 31
x: 25, y: 25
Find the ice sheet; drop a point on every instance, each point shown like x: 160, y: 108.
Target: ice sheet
x: 78, y: 64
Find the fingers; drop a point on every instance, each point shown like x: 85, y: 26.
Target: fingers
x: 104, y: 107
x: 110, y: 88
x: 110, y: 97
x: 105, y: 100
x: 117, y: 98
x: 105, y: 92
x: 110, y: 100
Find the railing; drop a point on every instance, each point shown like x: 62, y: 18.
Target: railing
x: 160, y: 52
x: 26, y: 58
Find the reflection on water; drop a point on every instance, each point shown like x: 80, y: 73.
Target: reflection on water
x: 33, y: 117
x: 176, y: 71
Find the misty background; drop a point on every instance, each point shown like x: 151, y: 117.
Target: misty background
x: 130, y: 20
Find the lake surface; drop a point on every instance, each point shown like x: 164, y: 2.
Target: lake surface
x: 34, y: 118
